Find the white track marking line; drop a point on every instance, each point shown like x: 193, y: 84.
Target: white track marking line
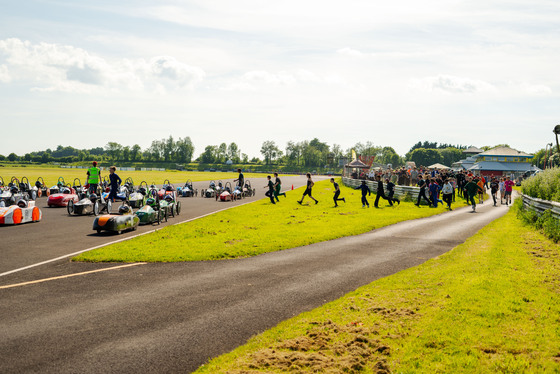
x: 118, y: 241
x: 70, y: 275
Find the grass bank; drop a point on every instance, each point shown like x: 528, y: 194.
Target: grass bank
x: 50, y: 175
x: 261, y: 227
x: 489, y: 305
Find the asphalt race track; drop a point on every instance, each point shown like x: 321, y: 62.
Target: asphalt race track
x: 175, y: 317
x: 59, y: 234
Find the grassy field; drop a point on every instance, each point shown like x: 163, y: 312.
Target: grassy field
x: 491, y: 305
x: 51, y: 174
x: 261, y: 227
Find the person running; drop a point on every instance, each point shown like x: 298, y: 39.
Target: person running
x: 336, y: 193
x: 270, y: 192
x: 365, y: 191
x: 391, y: 190
x: 447, y: 192
x: 278, y: 187
x: 93, y: 175
x: 240, y: 179
x: 471, y: 190
x: 422, y: 193
x: 481, y: 184
x: 433, y: 189
x: 494, y: 187
x: 307, y: 191
x: 502, y: 191
x: 508, y: 186
x: 115, y: 182
x: 380, y: 193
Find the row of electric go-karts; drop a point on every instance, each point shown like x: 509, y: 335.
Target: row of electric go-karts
x: 154, y: 205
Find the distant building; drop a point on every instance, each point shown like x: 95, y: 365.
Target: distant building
x: 502, y: 161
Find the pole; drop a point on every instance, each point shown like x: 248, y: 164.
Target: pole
x: 557, y: 131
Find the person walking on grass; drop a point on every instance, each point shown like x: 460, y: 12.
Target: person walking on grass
x: 391, y: 190
x: 502, y: 191
x: 365, y: 191
x: 270, y: 192
x: 447, y: 192
x: 508, y: 186
x: 380, y: 192
x: 471, y: 190
x: 422, y: 194
x: 278, y: 187
x: 336, y: 193
x: 434, y: 192
x: 307, y: 191
x: 115, y: 182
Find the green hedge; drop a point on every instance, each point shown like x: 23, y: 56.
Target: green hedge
x: 545, y: 185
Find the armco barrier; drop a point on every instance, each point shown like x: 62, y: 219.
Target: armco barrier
x: 539, y: 205
x: 400, y: 191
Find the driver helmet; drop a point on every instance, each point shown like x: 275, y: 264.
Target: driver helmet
x: 142, y: 190
x: 13, y: 189
x: 169, y: 188
x: 212, y: 184
x: 150, y: 201
x: 93, y: 197
x: 22, y: 203
x: 168, y: 198
x: 38, y: 184
x: 124, y: 209
x: 66, y: 190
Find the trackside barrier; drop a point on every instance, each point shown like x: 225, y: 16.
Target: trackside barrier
x: 402, y: 192
x: 540, y: 206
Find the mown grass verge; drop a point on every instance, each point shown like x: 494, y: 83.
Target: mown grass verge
x: 490, y: 305
x: 261, y: 227
x: 50, y: 175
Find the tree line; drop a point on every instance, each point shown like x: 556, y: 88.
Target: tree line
x: 302, y: 154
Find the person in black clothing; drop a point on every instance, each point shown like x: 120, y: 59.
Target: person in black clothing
x: 494, y: 187
x: 240, y: 179
x: 278, y: 187
x: 336, y: 193
x: 365, y: 190
x: 380, y: 192
x: 270, y: 192
x: 115, y: 182
x: 308, y: 190
x: 422, y: 194
x: 391, y: 190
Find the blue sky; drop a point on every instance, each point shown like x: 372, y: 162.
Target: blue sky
x: 84, y: 73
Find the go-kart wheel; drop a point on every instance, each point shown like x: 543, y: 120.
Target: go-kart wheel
x: 98, y: 231
x: 119, y: 232
x: 70, y: 207
x: 109, y: 206
x: 96, y: 208
x: 165, y: 215
x: 172, y: 210
x: 178, y: 207
x: 159, y: 217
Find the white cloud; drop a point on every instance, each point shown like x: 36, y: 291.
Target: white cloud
x: 53, y: 67
x: 4, y: 74
x: 350, y: 52
x: 452, y: 85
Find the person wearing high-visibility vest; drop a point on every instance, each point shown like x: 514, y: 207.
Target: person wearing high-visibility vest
x: 94, y: 175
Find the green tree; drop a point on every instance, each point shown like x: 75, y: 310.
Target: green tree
x: 135, y: 153
x: 270, y: 151
x: 185, y: 150
x: 233, y: 152
x: 425, y: 157
x: 114, y: 150
x: 13, y: 157
x: 208, y: 156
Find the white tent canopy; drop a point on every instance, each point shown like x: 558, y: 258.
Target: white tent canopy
x: 438, y: 166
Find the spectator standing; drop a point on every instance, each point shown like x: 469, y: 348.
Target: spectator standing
x: 93, y: 176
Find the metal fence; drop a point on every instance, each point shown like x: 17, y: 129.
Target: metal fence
x: 539, y: 205
x: 402, y: 192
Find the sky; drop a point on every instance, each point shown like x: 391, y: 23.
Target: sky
x: 85, y: 73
